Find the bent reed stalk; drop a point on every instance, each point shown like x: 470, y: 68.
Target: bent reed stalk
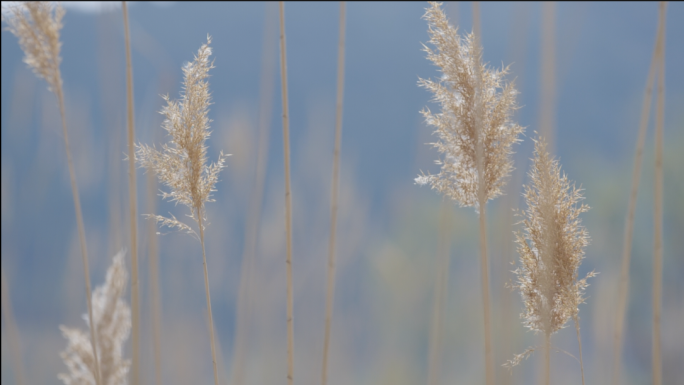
x: 133, y: 205
x: 656, y: 365
x: 623, y: 290
x: 330, y: 297
x: 288, y: 197
x: 37, y: 28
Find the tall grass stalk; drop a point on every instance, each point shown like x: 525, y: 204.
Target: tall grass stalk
x: 153, y: 259
x: 245, y: 300
x: 623, y: 290
x: 37, y: 28
x: 441, y: 290
x: 547, y: 110
x: 133, y: 206
x: 482, y: 201
x: 12, y: 334
x: 288, y: 198
x: 330, y: 297
x: 658, y: 210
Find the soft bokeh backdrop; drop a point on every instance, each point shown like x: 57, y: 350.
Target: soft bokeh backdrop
x: 388, y: 229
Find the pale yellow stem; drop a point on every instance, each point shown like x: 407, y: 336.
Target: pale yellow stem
x: 244, y: 306
x: 81, y: 228
x: 288, y: 199
x: 658, y: 211
x: 334, y: 192
x: 206, y: 288
x: 629, y: 223
x: 133, y: 207
x: 579, y: 341
x: 547, y: 110
x: 154, y: 278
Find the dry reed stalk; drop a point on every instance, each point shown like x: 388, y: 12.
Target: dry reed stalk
x: 182, y: 165
x: 112, y: 318
x: 334, y: 192
x: 153, y: 258
x: 551, y: 249
x: 244, y: 305
x: 133, y: 205
x: 629, y: 222
x: 12, y: 333
x: 658, y: 210
x: 547, y: 110
x: 37, y: 28
x: 288, y: 198
x: 475, y: 132
x: 441, y: 290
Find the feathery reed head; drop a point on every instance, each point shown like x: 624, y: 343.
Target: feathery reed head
x: 181, y: 164
x: 551, y: 247
x: 37, y: 25
x: 112, y: 318
x: 466, y: 87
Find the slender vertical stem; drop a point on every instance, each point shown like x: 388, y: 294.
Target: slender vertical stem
x: 244, y: 306
x: 81, y: 229
x: 579, y: 341
x: 441, y: 289
x: 288, y: 198
x: 334, y: 191
x: 629, y: 222
x: 658, y: 211
x: 154, y: 277
x: 547, y: 358
x: 547, y: 111
x: 206, y: 288
x: 133, y: 206
x: 482, y: 201
x: 12, y: 333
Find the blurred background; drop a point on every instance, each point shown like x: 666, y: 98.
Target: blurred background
x: 389, y: 228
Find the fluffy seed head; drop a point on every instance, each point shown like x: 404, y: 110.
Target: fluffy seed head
x: 37, y: 25
x: 467, y: 88
x: 112, y: 318
x: 181, y: 164
x: 551, y: 246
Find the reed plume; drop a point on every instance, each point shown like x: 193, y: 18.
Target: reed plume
x: 112, y: 318
x: 132, y: 203
x: 551, y: 248
x: 475, y: 131
x: 37, y: 26
x: 182, y: 165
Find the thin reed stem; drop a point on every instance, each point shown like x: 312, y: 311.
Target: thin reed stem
x: 547, y: 358
x: 153, y: 257
x: 482, y: 201
x: 629, y: 222
x: 579, y: 342
x: 658, y: 211
x: 12, y: 333
x: 133, y: 207
x: 244, y: 306
x: 334, y: 191
x: 81, y: 230
x: 547, y: 110
x: 441, y: 290
x: 288, y: 198
x: 206, y: 288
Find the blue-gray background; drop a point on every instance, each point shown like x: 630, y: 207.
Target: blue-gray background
x: 388, y: 227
